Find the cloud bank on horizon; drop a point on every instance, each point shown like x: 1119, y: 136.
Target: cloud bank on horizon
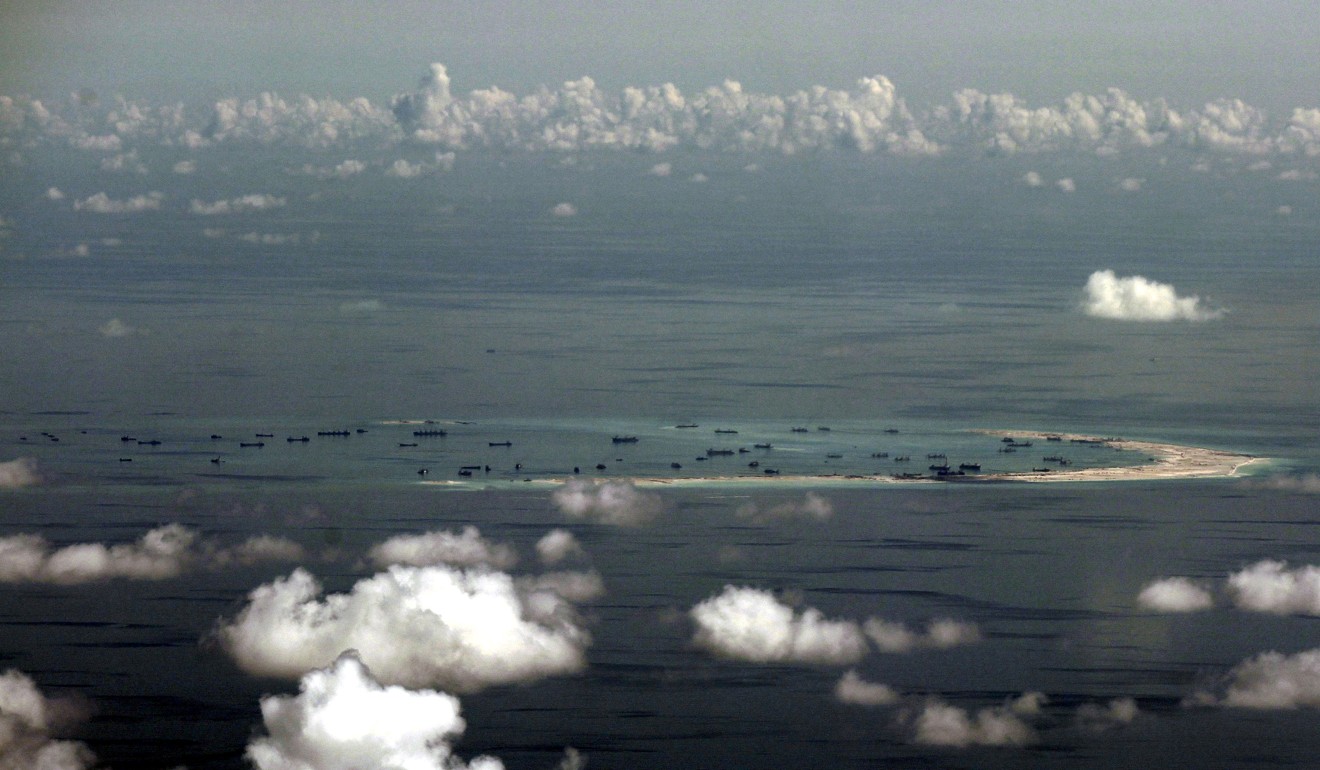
x: 869, y: 117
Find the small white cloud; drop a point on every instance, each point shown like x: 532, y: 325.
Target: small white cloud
x: 100, y: 203
x: 1066, y: 185
x: 344, y: 719
x: 564, y: 210
x: 941, y: 634
x: 1298, y: 175
x: 854, y: 690
x: 1131, y: 184
x: 185, y: 167
x: 752, y: 625
x: 54, y: 193
x: 557, y: 545
x: 576, y: 587
x: 1269, y: 586
x: 1270, y: 681
x: 941, y: 724
x: 124, y: 162
x: 618, y: 503
x: 213, y: 232
x: 160, y: 554
x: 1284, y: 210
x: 361, y: 306
x: 82, y: 250
x: 115, y: 328
x: 661, y: 169
x: 27, y: 720
x: 1306, y: 483
x: 271, y: 239
x: 414, y: 626
x: 698, y: 178
x: 243, y: 203
x: 1116, y: 713
x: 1176, y: 594
x: 813, y: 506
x: 464, y: 549
x: 1134, y: 298
x: 16, y: 474
x: 1033, y: 179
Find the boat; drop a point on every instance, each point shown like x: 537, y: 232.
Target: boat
x: 431, y: 432
x: 718, y: 452
x: 969, y: 466
x: 725, y: 430
x: 300, y: 439
x: 499, y: 443
x: 763, y: 446
x: 688, y: 425
x: 624, y: 439
x: 332, y: 433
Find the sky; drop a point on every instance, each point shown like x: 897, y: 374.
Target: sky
x: 1262, y: 51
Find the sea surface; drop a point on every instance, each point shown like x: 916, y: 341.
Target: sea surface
x: 902, y: 305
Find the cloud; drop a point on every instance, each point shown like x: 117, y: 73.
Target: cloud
x: 160, y: 554
x: 115, y: 328
x: 1066, y: 185
x: 19, y: 473
x: 1176, y: 594
x: 813, y: 506
x: 1269, y: 586
x: 557, y: 545
x: 465, y: 549
x: 27, y: 719
x: 940, y: 724
x: 854, y: 690
x: 361, y: 306
x: 54, y: 193
x: 577, y: 587
x: 185, y: 167
x: 1306, y: 483
x: 1271, y: 681
x: 344, y: 719
x: 661, y: 169
x: 617, y: 503
x: 100, y: 203
x: 564, y: 210
x: 243, y: 203
x: 1033, y: 179
x: 941, y: 634
x: 124, y: 162
x: 1115, y: 713
x: 414, y: 626
x: 342, y: 170
x: 751, y: 625
x: 1131, y: 184
x: 1135, y: 298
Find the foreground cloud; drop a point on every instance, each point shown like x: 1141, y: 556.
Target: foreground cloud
x: 558, y: 545
x: 16, y: 474
x: 941, y: 634
x: 854, y: 690
x: 813, y: 506
x: 344, y: 719
x: 1270, y: 681
x: 465, y: 549
x: 937, y: 723
x: 1135, y: 298
x: 27, y: 719
x: 1266, y: 586
x: 1175, y: 594
x: 414, y: 626
x: 752, y: 625
x: 243, y: 203
x: 161, y: 553
x: 100, y: 203
x: 618, y: 503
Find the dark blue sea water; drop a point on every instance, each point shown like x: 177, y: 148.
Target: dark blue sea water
x: 930, y: 297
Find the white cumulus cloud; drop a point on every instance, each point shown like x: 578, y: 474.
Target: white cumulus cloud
x: 618, y: 503
x: 243, y: 203
x: 938, y: 723
x: 1270, y: 681
x: 564, y: 210
x: 344, y: 719
x: 19, y: 473
x: 1270, y: 586
x: 100, y: 203
x: 812, y: 506
x: 1134, y: 298
x: 462, y: 549
x: 940, y: 634
x: 160, y: 554
x: 27, y: 719
x: 557, y: 545
x: 854, y: 690
x: 1176, y: 594
x: 752, y: 625
x: 414, y: 626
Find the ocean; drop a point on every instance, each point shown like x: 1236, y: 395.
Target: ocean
x: 900, y: 303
